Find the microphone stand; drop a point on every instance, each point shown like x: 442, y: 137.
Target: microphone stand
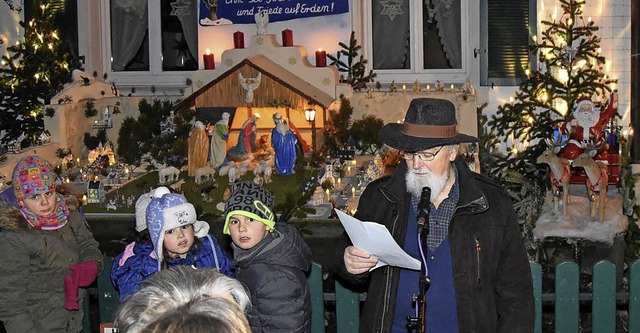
x: 419, y: 321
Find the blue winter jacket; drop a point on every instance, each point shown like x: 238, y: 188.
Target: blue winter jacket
x: 138, y: 261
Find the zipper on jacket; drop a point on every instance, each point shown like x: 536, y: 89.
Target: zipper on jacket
x: 478, y: 248
x: 389, y: 275
x: 387, y: 288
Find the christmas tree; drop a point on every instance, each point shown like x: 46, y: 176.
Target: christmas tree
x: 570, y: 67
x: 31, y: 73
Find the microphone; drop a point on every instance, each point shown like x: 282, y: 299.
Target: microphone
x: 423, y: 209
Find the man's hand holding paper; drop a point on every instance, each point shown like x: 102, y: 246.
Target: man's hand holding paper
x: 358, y: 261
x: 374, y: 247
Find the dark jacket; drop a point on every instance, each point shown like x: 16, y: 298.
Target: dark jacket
x: 138, y: 262
x: 274, y: 271
x: 493, y: 286
x: 33, y: 264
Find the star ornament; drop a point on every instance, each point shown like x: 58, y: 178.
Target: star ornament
x: 180, y: 8
x: 391, y: 8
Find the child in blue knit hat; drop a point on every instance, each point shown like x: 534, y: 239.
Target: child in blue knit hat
x: 271, y: 260
x: 177, y: 238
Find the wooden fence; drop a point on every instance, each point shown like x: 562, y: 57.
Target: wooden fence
x: 604, y: 299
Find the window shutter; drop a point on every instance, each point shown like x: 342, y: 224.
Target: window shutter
x: 506, y: 30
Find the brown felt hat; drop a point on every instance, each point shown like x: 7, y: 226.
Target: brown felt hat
x: 429, y: 122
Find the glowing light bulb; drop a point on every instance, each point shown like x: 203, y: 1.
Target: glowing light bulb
x: 569, y: 21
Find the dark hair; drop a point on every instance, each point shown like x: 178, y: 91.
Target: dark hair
x: 143, y: 237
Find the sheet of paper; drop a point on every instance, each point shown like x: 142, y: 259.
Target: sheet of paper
x: 375, y: 239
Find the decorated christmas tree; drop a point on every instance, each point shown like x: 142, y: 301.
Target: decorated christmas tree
x: 31, y: 73
x: 570, y: 68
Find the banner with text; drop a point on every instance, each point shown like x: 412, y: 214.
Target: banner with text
x: 223, y: 12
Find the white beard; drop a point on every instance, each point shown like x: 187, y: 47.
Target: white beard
x: 586, y: 120
x: 416, y: 182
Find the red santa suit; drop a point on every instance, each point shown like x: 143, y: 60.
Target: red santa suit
x: 586, y: 122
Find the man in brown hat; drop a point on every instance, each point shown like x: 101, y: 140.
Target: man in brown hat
x: 475, y: 274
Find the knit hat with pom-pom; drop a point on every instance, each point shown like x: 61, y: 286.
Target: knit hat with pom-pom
x: 168, y: 211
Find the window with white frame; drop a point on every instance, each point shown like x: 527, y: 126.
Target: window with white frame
x: 141, y: 29
x: 408, y: 36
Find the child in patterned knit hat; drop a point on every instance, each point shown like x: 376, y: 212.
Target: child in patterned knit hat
x: 271, y: 260
x: 47, y: 254
x: 177, y: 238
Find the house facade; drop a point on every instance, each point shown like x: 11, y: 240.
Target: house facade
x: 157, y: 48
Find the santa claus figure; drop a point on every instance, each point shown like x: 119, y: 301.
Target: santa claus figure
x: 586, y: 122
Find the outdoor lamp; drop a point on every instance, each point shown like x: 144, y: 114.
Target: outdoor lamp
x: 310, y: 114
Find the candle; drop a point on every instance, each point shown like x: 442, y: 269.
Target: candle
x: 238, y: 40
x: 453, y: 88
x: 287, y: 37
x: 321, y: 58
x: 428, y: 87
x: 404, y: 87
x: 353, y: 192
x: 327, y: 193
x: 209, y: 61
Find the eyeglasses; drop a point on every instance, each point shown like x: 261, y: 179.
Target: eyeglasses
x: 423, y: 156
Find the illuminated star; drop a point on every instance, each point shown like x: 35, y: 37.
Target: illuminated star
x: 326, y: 81
x: 180, y: 8
x: 391, y: 8
x: 293, y: 61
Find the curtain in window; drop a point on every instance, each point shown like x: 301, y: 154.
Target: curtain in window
x: 129, y: 22
x: 189, y: 22
x: 447, y: 15
x: 391, y: 32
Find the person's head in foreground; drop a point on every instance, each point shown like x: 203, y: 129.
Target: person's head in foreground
x: 428, y: 140
x: 249, y: 216
x: 174, y: 287
x: 201, y: 315
x: 35, y: 192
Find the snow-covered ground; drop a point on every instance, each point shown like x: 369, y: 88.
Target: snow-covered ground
x: 578, y: 223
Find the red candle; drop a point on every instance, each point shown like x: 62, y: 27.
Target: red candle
x: 238, y: 40
x: 209, y: 61
x: 287, y: 37
x: 321, y: 58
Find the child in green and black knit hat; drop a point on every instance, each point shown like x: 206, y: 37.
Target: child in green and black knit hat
x: 271, y: 260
